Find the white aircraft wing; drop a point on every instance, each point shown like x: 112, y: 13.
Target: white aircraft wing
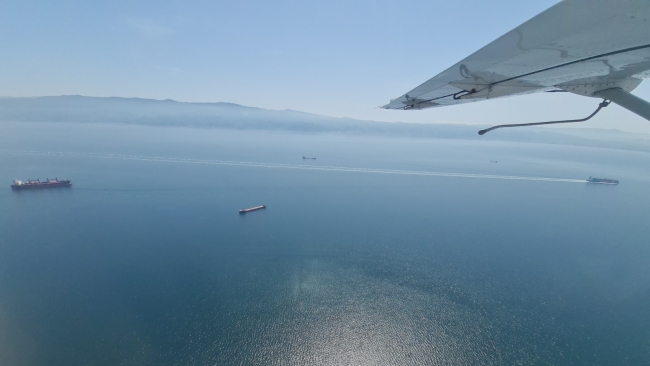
x: 595, y: 48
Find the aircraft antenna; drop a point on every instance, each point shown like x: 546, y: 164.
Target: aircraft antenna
x: 602, y: 105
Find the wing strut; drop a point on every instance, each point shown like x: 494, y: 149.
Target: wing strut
x: 626, y: 100
x: 602, y: 105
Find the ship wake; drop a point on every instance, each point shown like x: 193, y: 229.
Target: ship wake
x: 293, y: 166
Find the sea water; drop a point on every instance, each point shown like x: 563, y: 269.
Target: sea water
x: 382, y: 251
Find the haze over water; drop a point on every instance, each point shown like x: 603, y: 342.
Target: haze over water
x: 381, y: 251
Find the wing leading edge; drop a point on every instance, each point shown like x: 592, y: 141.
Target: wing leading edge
x: 579, y: 46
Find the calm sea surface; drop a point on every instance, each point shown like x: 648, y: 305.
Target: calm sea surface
x: 379, y: 252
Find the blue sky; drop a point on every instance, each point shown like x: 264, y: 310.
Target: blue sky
x: 338, y: 58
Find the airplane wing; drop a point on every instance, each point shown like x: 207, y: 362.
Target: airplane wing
x: 594, y: 48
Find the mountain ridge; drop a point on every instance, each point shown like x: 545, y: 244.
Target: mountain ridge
x: 168, y: 112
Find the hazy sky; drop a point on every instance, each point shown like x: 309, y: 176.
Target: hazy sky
x: 335, y: 57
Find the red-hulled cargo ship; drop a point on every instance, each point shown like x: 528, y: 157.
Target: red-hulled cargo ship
x: 49, y: 183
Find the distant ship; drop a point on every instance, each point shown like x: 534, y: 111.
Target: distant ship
x: 306, y: 157
x: 245, y: 210
x: 18, y: 184
x: 602, y: 180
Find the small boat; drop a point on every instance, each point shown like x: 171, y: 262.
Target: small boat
x: 602, y: 181
x: 308, y: 158
x: 246, y: 210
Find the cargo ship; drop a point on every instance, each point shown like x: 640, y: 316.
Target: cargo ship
x: 308, y: 158
x: 602, y: 181
x: 245, y: 210
x: 49, y: 183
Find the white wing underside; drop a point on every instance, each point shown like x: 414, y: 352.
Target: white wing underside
x: 580, y: 46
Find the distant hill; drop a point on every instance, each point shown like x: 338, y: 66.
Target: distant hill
x: 81, y: 109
